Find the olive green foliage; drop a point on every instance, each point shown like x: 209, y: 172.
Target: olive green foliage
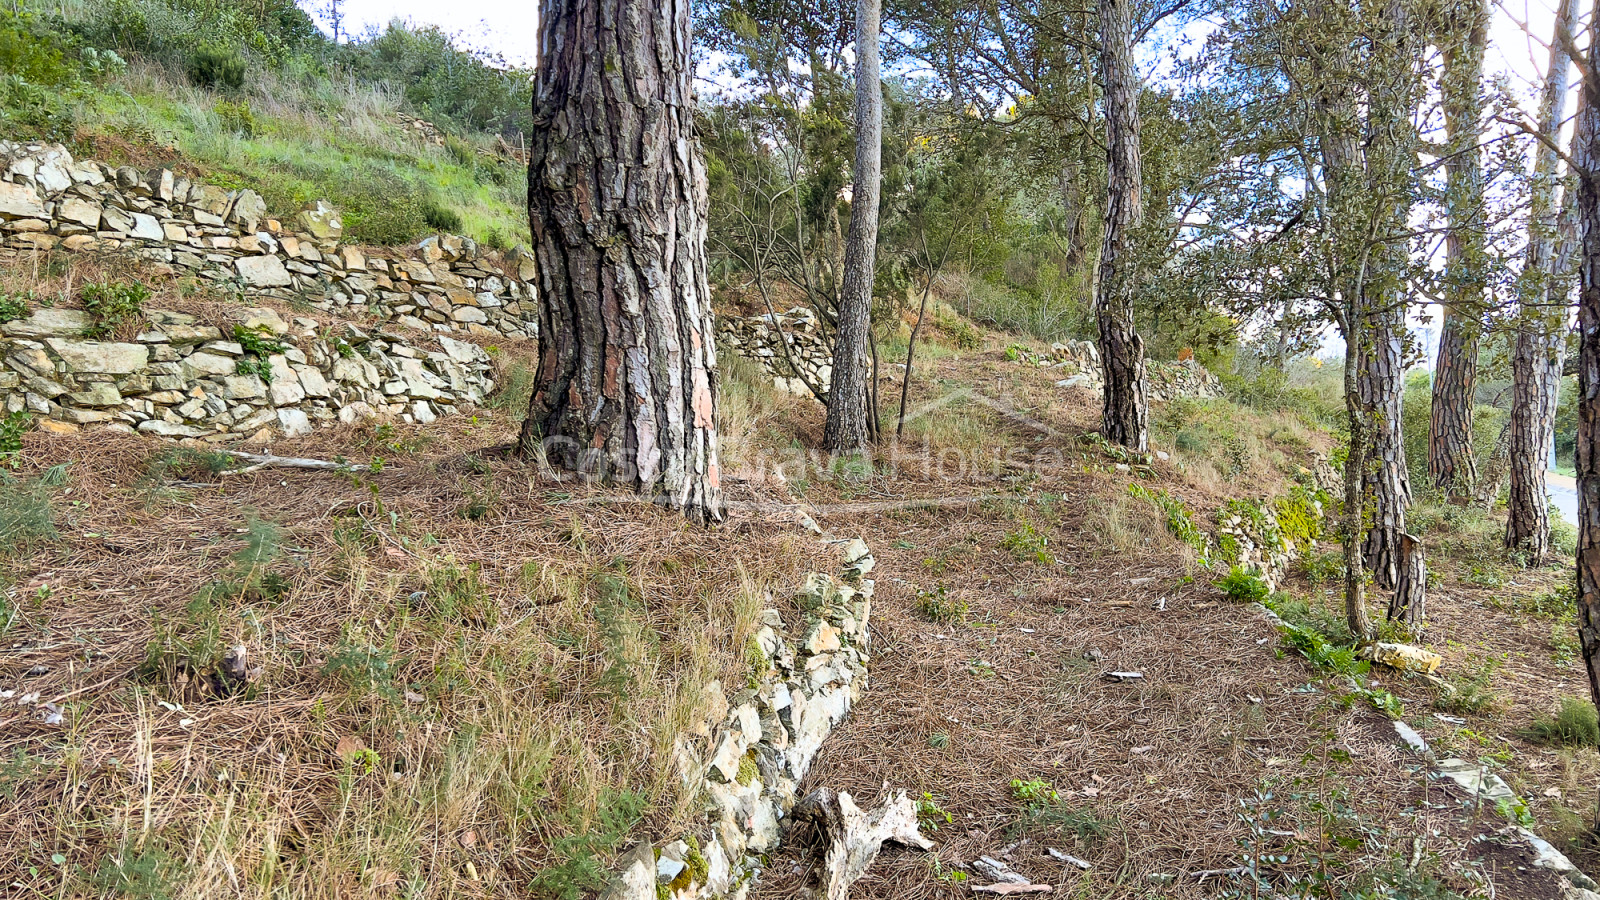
x: 1574, y: 725
x: 13, y: 306
x: 583, y: 854
x: 42, y: 72
x: 1180, y: 521
x: 1243, y: 585
x: 217, y: 67
x: 12, y: 427
x: 111, y: 303
x: 26, y: 518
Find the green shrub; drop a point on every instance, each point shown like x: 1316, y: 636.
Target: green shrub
x: 12, y: 428
x: 215, y: 67
x: 936, y: 606
x: 110, y: 303
x: 440, y: 217
x: 1243, y: 585
x: 236, y: 117
x: 1575, y: 725
x: 40, y: 78
x: 584, y: 849
x: 13, y: 306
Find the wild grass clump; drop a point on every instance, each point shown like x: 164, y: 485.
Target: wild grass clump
x: 110, y: 304
x: 27, y: 519
x: 1471, y: 686
x: 1574, y: 725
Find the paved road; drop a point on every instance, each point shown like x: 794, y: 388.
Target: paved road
x: 1564, y: 491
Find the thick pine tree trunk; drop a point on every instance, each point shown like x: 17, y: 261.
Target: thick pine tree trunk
x: 1125, y: 414
x: 1451, y: 459
x: 1391, y: 159
x: 1388, y: 486
x: 1536, y: 356
x: 1586, y: 157
x: 849, y: 419
x: 626, y: 390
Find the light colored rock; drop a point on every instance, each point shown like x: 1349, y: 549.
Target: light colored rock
x: 321, y: 221
x: 469, y: 314
x: 293, y: 422
x: 248, y: 211
x: 19, y: 201
x: 100, y: 394
x: 100, y: 357
x: 114, y: 219
x: 243, y: 387
x: 354, y: 260
x: 200, y: 364
x: 79, y: 211
x: 263, y: 271
x: 49, y: 322
x: 169, y: 429
x: 147, y: 228
x: 1476, y: 780
x: 262, y: 317
x: 636, y: 876
x: 312, y: 382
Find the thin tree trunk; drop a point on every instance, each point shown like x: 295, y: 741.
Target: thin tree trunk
x: 1536, y: 356
x: 1339, y: 146
x: 626, y: 389
x: 1125, y: 414
x: 1409, y: 603
x: 1586, y: 158
x: 911, y: 349
x: 849, y: 421
x: 1494, y: 470
x: 1071, y: 182
x: 1451, y: 458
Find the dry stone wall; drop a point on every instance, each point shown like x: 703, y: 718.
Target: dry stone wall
x: 445, y: 284
x: 261, y: 374
x: 789, y: 346
x: 1078, y: 362
x: 182, y: 378
x: 748, y: 755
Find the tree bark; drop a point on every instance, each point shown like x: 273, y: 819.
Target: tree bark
x: 1391, y: 158
x: 1451, y: 458
x: 1125, y: 414
x: 1536, y: 356
x: 626, y: 389
x: 1586, y: 158
x: 1388, y: 484
x: 1409, y: 603
x: 849, y: 420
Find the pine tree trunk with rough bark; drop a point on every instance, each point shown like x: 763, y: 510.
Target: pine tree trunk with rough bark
x: 1451, y: 458
x: 1536, y: 355
x: 1388, y: 484
x: 1391, y: 159
x: 850, y: 421
x: 1125, y: 414
x: 1586, y: 158
x: 626, y: 388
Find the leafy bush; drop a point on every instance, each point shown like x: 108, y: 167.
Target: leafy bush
x: 1243, y: 585
x: 12, y: 428
x: 40, y: 77
x: 13, y: 306
x: 217, y: 67
x: 936, y: 606
x: 236, y: 117
x: 583, y: 850
x: 110, y: 303
x: 1575, y: 725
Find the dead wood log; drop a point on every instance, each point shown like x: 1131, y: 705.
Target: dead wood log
x: 851, y: 838
x: 259, y: 461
